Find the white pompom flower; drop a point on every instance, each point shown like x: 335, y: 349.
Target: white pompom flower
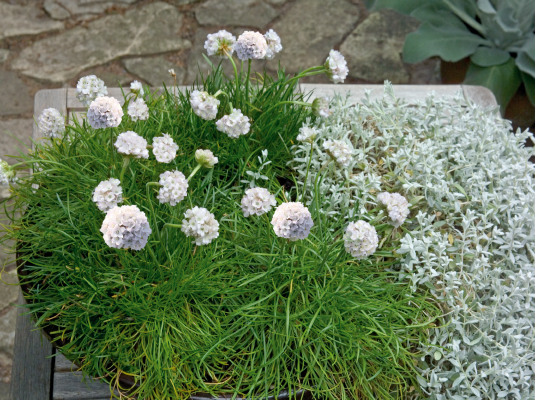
x: 200, y: 224
x: 292, y: 221
x: 320, y: 107
x: 206, y: 158
x: 340, y: 152
x: 131, y: 144
x: 108, y: 194
x: 220, y: 44
x: 273, y: 44
x: 307, y: 134
x: 174, y: 187
x: 138, y: 110
x: 7, y: 174
x: 204, y: 105
x: 126, y: 227
x: 360, y: 239
x: 257, y: 201
x: 336, y: 67
x: 396, y: 205
x: 137, y: 88
x: 51, y: 123
x: 164, y: 148
x: 251, y: 45
x: 90, y: 88
x: 234, y: 125
x: 105, y: 112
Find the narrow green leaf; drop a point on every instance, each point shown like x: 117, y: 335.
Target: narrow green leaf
x: 503, y: 80
x: 447, y: 42
x: 529, y: 84
x: 489, y: 56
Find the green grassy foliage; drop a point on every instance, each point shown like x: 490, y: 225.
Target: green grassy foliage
x: 250, y: 314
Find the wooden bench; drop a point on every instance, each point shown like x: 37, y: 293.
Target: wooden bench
x: 36, y: 374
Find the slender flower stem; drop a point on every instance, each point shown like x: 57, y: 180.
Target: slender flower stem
x: 152, y: 208
x: 235, y: 74
x: 308, y: 168
x: 198, y: 167
x: 126, y: 162
x: 247, y: 84
x: 220, y: 92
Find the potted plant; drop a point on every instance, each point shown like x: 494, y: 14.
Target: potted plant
x: 489, y: 43
x: 169, y: 248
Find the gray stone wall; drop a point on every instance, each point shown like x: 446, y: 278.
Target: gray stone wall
x: 52, y: 43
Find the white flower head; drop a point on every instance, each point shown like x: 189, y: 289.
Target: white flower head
x: 204, y: 105
x: 35, y: 186
x: 220, y: 44
x: 307, y: 134
x: 251, y: 45
x: 206, y: 158
x: 336, y: 66
x: 131, y: 144
x: 138, y: 110
x: 174, y: 187
x: 340, y: 151
x: 234, y: 125
x: 360, y: 239
x: 257, y: 201
x: 7, y: 174
x: 396, y: 205
x: 200, y: 224
x: 108, y: 194
x: 320, y: 107
x: 137, y: 88
x: 172, y: 72
x: 90, y: 88
x: 126, y: 227
x: 292, y: 221
x: 164, y: 148
x: 105, y: 112
x: 51, y: 123
x: 273, y: 44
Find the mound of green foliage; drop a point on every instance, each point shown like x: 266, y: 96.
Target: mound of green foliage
x: 251, y: 314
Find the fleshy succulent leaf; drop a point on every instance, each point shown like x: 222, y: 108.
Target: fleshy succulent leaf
x: 525, y: 63
x: 503, y: 80
x: 529, y: 85
x: 488, y: 56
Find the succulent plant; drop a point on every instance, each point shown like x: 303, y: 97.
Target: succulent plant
x: 497, y: 35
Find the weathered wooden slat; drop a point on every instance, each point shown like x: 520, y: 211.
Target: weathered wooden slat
x: 61, y: 364
x: 50, y: 98
x: 410, y: 93
x: 32, y: 369
x: 69, y: 386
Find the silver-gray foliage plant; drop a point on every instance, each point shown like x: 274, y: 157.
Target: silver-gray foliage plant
x: 471, y: 242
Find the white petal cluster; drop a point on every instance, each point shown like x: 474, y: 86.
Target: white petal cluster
x: 137, y: 87
x: 360, y: 239
x: 340, y: 151
x: 131, y: 144
x: 174, y: 187
x: 220, y: 44
x: 90, y: 88
x: 105, y: 112
x: 126, y: 227
x: 292, y: 221
x: 320, y: 107
x: 234, y: 125
x: 200, y: 224
x: 307, y: 134
x: 204, y: 105
x: 7, y: 174
x: 257, y: 201
x: 51, y: 123
x: 206, y: 158
x: 138, y: 110
x: 336, y: 66
x: 251, y: 45
x: 164, y: 148
x: 108, y: 194
x: 273, y: 44
x: 396, y: 205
